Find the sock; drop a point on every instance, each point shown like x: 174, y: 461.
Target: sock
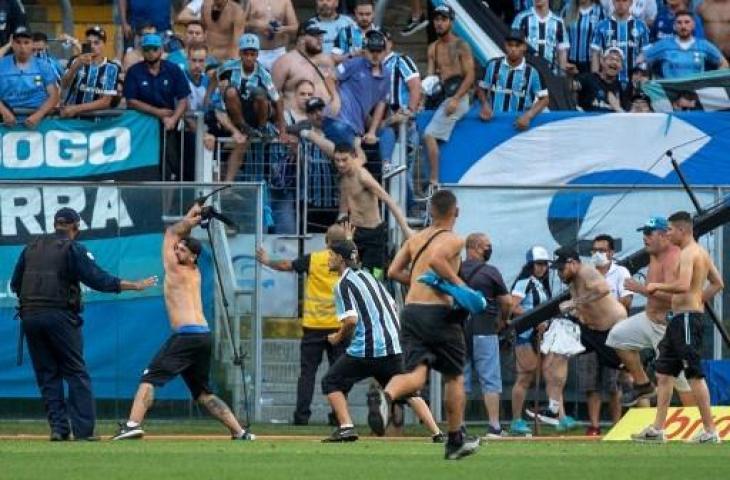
x: 495, y: 426
x: 456, y: 438
x: 241, y: 433
x: 347, y: 425
x: 132, y: 424
x: 553, y: 406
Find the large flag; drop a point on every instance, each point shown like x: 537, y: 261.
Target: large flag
x: 710, y: 91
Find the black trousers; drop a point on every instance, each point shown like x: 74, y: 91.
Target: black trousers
x: 314, y: 343
x: 56, y: 350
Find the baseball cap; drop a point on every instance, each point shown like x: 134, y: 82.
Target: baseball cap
x: 375, y: 41
x: 563, y: 255
x: 313, y: 104
x: 66, y: 215
x: 345, y: 248
x: 615, y: 50
x: 96, y: 30
x: 654, y: 223
x: 311, y: 27
x: 22, y: 32
x: 151, y: 40
x: 249, y: 41
x: 444, y: 11
x: 538, y: 254
x: 516, y: 35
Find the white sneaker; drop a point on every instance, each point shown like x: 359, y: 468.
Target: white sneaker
x: 704, y: 437
x: 649, y: 435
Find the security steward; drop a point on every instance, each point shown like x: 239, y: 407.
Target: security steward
x: 318, y: 318
x: 47, y: 281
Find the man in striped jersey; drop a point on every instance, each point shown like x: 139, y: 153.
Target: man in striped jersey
x: 624, y: 31
x: 510, y: 85
x: 581, y: 18
x: 370, y: 321
x: 545, y: 33
x: 92, y: 79
x: 351, y: 38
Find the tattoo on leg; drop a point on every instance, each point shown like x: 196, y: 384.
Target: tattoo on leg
x: 217, y: 407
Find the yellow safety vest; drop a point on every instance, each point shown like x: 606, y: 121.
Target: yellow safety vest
x: 319, y: 296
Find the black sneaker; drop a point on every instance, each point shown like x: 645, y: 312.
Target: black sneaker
x: 438, y: 437
x: 342, y: 434
x: 127, y: 433
x: 414, y: 25
x: 495, y: 432
x: 246, y: 435
x: 378, y: 410
x: 631, y: 397
x: 58, y: 437
x: 468, y: 447
x: 544, y: 415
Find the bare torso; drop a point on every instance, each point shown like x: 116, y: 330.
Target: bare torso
x: 661, y: 270
x: 600, y: 314
x: 691, y: 301
x: 221, y: 34
x: 448, y: 62
x: 293, y: 67
x: 261, y: 14
x: 715, y: 15
x: 418, y: 292
x: 182, y: 291
x: 364, y: 209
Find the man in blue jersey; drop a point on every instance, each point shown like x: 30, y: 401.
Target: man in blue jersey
x: 92, y: 80
x: 510, y: 85
x: 26, y: 82
x: 683, y: 55
x: 663, y: 25
x: 545, y: 34
x: 331, y: 22
x: 370, y: 322
x: 350, y: 40
x: 624, y: 31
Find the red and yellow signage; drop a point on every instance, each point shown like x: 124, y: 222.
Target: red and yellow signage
x: 682, y: 423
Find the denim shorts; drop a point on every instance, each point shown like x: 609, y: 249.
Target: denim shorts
x: 485, y: 360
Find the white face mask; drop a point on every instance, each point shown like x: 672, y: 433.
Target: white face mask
x: 599, y: 259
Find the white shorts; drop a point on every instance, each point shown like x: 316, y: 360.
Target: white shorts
x: 441, y: 125
x: 637, y: 333
x: 562, y: 337
x: 268, y: 57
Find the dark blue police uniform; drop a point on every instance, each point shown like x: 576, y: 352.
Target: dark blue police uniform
x: 47, y: 281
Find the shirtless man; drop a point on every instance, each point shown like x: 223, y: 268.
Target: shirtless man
x: 187, y: 351
x: 681, y: 348
x: 429, y: 335
x: 273, y: 21
x: 359, y: 195
x: 305, y: 62
x: 715, y: 16
x: 224, y: 22
x: 646, y: 329
x: 591, y: 303
x: 450, y: 58
x: 134, y: 55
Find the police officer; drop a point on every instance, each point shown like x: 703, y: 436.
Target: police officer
x: 47, y: 282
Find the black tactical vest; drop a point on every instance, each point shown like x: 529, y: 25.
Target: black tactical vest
x: 46, y: 278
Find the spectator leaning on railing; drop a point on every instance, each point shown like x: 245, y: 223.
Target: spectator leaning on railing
x: 602, y: 92
x: 91, y: 80
x: 26, y: 82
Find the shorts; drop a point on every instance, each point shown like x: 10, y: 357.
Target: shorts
x: 348, y: 370
x: 593, y: 377
x: 595, y: 341
x: 187, y: 355
x: 431, y: 337
x: 637, y: 333
x: 371, y: 247
x: 267, y: 58
x: 441, y: 125
x: 681, y: 348
x: 485, y: 360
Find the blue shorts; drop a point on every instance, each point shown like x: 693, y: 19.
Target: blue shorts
x: 338, y: 132
x: 485, y: 360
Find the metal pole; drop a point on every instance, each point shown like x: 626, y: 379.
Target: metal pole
x: 258, y: 323
x: 718, y: 300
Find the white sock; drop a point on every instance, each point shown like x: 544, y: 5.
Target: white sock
x: 554, y: 406
x: 241, y: 433
x: 347, y: 425
x: 496, y: 426
x: 132, y: 424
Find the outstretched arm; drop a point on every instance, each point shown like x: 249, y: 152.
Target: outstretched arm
x: 371, y: 184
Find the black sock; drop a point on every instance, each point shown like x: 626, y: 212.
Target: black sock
x: 456, y: 438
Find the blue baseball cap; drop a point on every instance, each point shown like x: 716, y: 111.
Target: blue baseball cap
x: 249, y: 41
x: 151, y: 40
x: 654, y: 223
x: 66, y: 215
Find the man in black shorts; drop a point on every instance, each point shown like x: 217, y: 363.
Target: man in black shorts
x: 187, y: 351
x: 365, y: 308
x: 431, y: 336
x: 681, y: 348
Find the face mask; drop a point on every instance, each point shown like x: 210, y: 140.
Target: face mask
x: 599, y: 259
x: 487, y: 254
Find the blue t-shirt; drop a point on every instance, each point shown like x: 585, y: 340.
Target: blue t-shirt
x: 360, y: 91
x: 161, y: 91
x: 675, y: 60
x: 25, y: 87
x: 156, y: 12
x: 663, y: 25
x: 332, y: 30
